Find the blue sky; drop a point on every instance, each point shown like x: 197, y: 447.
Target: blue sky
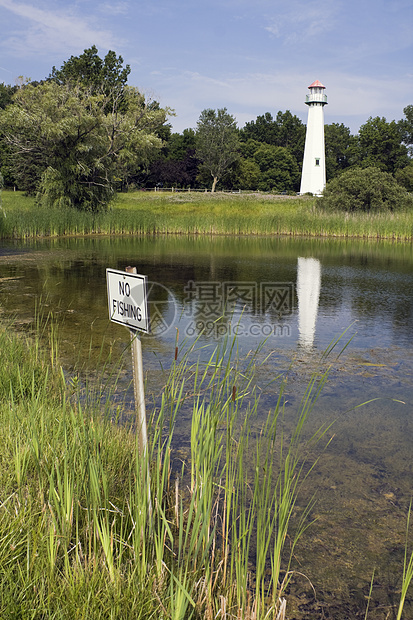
x: 250, y: 57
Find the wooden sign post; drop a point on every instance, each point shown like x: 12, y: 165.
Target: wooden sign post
x: 128, y: 306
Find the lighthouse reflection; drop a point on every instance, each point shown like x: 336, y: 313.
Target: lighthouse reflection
x: 308, y: 292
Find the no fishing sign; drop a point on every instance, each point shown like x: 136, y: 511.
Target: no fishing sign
x: 128, y: 306
x: 127, y: 299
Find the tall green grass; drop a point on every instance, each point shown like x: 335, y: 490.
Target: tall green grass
x: 78, y: 538
x: 76, y: 528
x: 146, y: 213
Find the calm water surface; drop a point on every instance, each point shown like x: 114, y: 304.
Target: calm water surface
x: 298, y: 296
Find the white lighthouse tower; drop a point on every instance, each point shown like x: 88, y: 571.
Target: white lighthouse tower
x: 313, y: 177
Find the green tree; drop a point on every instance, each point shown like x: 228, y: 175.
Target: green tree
x: 291, y: 134
x: 249, y: 174
x: 6, y: 95
x: 217, y: 143
x: 176, y: 164
x: 278, y: 167
x: 285, y: 130
x: 364, y: 189
x: 106, y: 75
x: 6, y: 98
x: 263, y: 129
x: 339, y: 147
x: 406, y: 128
x: 379, y: 144
x: 68, y: 147
x: 404, y: 176
x: 178, y: 145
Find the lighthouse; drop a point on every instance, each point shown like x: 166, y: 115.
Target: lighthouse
x: 313, y: 177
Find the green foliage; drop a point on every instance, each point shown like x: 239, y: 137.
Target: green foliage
x: 70, y: 143
x: 178, y: 145
x: 246, y: 174
x: 379, y: 144
x: 90, y: 71
x: 263, y: 129
x: 217, y: 142
x: 339, y: 148
x: 365, y: 189
x: 285, y: 130
x: 406, y: 127
x: 404, y: 176
x: 80, y: 528
x: 279, y: 169
x: 6, y: 99
x: 266, y: 167
x: 177, y: 165
x: 6, y: 94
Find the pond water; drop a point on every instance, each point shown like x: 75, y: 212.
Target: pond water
x: 294, y: 297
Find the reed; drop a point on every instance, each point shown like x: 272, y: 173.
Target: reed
x: 407, y: 569
x: 76, y: 527
x: 78, y: 530
x: 147, y: 213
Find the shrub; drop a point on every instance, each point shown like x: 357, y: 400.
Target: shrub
x: 404, y: 176
x: 365, y: 189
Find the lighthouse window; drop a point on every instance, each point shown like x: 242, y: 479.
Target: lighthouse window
x: 317, y: 161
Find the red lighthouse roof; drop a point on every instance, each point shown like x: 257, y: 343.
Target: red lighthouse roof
x: 316, y: 84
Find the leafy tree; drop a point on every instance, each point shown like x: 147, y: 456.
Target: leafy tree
x: 173, y: 173
x: 6, y: 98
x: 285, y: 130
x: 249, y: 147
x: 379, y: 144
x: 278, y: 167
x: 178, y: 145
x: 264, y: 129
x: 404, y: 176
x: 177, y: 165
x: 364, y: 189
x: 217, y: 143
x: 247, y: 174
x: 291, y: 134
x: 406, y: 128
x: 68, y: 147
x: 6, y: 95
x: 90, y: 71
x: 339, y: 147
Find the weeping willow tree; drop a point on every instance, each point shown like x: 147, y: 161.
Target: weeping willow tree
x: 72, y: 137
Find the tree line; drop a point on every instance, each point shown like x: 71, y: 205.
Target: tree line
x: 83, y: 133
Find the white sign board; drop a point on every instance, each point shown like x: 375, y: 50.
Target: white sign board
x: 127, y: 298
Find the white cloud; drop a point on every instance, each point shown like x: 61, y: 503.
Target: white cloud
x: 53, y: 30
x: 115, y: 8
x: 352, y: 99
x: 303, y: 20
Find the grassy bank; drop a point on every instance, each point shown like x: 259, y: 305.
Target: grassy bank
x: 198, y: 213
x: 82, y: 535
